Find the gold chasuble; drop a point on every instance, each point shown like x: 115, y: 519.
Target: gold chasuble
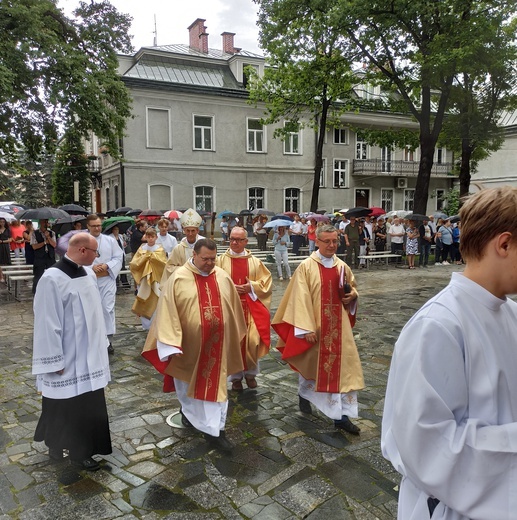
x: 147, y: 269
x: 202, y: 316
x: 179, y: 255
x: 312, y: 303
x: 243, y: 269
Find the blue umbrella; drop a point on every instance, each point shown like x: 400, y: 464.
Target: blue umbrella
x: 227, y: 213
x: 281, y: 216
x: 277, y: 223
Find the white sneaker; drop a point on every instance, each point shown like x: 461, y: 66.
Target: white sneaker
x: 281, y: 279
x: 445, y: 262
x: 438, y: 263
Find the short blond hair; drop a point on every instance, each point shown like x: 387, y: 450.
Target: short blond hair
x: 484, y: 215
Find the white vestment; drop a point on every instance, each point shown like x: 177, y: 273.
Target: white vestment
x: 69, y: 334
x: 111, y: 255
x: 450, y: 416
x: 167, y: 241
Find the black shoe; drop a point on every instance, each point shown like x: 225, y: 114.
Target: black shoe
x: 185, y: 421
x: 111, y: 350
x: 87, y: 464
x: 55, y: 453
x: 220, y: 443
x: 304, y: 404
x: 346, y: 424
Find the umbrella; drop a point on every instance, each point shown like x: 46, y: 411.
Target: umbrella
x: 150, y: 213
x: 245, y: 213
x: 281, y: 216
x: 74, y: 209
x: 11, y: 208
x: 454, y: 219
x: 262, y: 211
x: 7, y: 216
x: 359, y: 211
x: 62, y: 242
x: 416, y: 216
x: 227, y: 213
x: 291, y: 214
x: 207, y: 213
x: 172, y: 213
x: 399, y: 212
x: 277, y: 223
x: 376, y: 211
x: 133, y: 212
x: 123, y: 224
x: 440, y: 214
x: 65, y: 224
x: 123, y: 210
x: 317, y: 217
x: 41, y: 214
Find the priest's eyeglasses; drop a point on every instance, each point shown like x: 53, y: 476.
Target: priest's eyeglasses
x: 329, y: 242
x: 96, y: 251
x: 232, y: 239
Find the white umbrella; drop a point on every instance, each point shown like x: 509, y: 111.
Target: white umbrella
x: 7, y: 216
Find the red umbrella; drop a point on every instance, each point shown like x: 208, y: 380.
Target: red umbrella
x: 291, y: 214
x: 173, y: 213
x: 317, y: 217
x: 376, y: 211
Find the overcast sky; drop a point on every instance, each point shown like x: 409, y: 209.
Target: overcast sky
x: 174, y: 16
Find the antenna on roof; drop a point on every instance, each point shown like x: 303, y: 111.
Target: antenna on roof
x: 155, y: 40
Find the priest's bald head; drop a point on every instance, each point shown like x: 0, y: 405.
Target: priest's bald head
x: 82, y: 249
x: 204, y: 255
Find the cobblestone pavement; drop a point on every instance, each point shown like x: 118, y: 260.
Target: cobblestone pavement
x: 286, y: 465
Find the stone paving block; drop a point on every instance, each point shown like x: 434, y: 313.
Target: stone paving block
x: 275, y: 511
x: 7, y: 502
x: 121, y: 504
x: 18, y: 448
x: 147, y: 469
x: 228, y: 513
x: 169, y: 478
x: 153, y: 496
x: 127, y: 477
x: 18, y: 478
x: 206, y: 495
x: 279, y: 478
x: 335, y: 508
x: 242, y: 495
x: 126, y: 424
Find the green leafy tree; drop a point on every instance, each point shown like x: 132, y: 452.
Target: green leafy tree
x: 309, y: 80
x: 32, y: 180
x: 56, y: 71
x: 415, y: 49
x: 451, y: 202
x: 71, y: 167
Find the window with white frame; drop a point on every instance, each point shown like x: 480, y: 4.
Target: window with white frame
x: 158, y: 128
x: 323, y: 174
x: 204, y: 198
x: 256, y: 135
x: 386, y: 159
x: 439, y: 156
x: 387, y: 200
x: 292, y: 199
x: 203, y: 133
x: 292, y: 143
x: 361, y: 148
x: 409, y: 200
x: 255, y: 198
x: 340, y: 177
x: 409, y: 154
x: 440, y: 199
x: 340, y: 135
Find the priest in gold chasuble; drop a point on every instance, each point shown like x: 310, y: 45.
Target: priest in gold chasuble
x: 253, y: 282
x: 195, y: 339
x: 314, y: 322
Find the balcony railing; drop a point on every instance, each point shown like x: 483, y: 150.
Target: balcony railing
x: 397, y: 168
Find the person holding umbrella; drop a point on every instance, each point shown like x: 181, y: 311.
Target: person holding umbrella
x: 281, y: 244
x: 5, y: 239
x: 43, y: 242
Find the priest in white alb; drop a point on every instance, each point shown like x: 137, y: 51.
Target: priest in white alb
x: 195, y: 340
x: 450, y: 415
x: 314, y: 322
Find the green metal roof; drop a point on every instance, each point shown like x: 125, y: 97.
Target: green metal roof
x: 171, y: 70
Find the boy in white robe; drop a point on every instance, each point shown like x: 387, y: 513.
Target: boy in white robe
x: 450, y: 416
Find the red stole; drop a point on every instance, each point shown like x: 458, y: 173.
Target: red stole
x: 329, y: 363
x: 212, y: 336
x: 261, y: 316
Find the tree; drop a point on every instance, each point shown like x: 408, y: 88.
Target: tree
x: 57, y: 71
x: 309, y: 81
x: 416, y: 49
x: 71, y: 167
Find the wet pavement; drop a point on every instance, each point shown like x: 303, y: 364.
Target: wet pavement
x: 286, y: 465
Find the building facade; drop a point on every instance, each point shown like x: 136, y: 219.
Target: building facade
x: 194, y: 141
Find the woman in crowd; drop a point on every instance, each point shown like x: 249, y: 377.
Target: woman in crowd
x: 281, y: 244
x: 446, y: 238
x: 5, y: 240
x: 438, y: 243
x: 17, y: 242
x: 147, y: 267
x: 311, y: 235
x: 455, y: 253
x: 380, y: 233
x: 27, y: 234
x: 364, y: 240
x: 412, y: 236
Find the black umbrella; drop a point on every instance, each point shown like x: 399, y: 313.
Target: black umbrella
x: 123, y: 210
x: 358, y: 212
x: 74, y: 209
x: 133, y: 213
x: 262, y: 211
x: 63, y: 225
x: 41, y: 214
x: 454, y: 219
x: 416, y: 216
x: 245, y: 213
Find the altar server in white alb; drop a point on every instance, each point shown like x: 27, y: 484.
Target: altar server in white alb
x: 70, y: 358
x: 106, y: 267
x: 450, y: 418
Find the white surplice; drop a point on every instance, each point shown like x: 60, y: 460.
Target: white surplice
x: 450, y: 416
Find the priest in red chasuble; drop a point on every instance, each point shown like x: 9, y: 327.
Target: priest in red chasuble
x: 195, y: 340
x: 314, y: 323
x: 253, y: 282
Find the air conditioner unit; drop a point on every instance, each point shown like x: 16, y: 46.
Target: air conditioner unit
x: 401, y: 182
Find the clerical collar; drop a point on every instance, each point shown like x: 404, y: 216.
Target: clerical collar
x: 188, y: 244
x: 327, y: 262
x: 70, y: 268
x: 198, y: 271
x: 244, y: 253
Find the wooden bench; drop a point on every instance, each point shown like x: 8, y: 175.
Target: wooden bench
x: 371, y: 258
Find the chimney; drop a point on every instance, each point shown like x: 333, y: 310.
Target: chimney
x: 228, y: 43
x: 198, y: 37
